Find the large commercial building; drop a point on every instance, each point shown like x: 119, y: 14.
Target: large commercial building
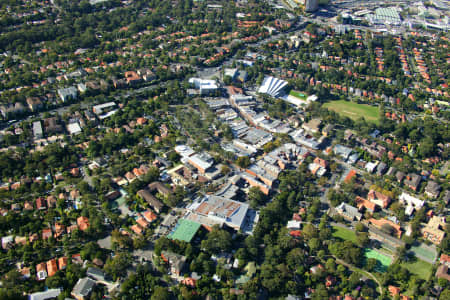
x: 211, y: 209
x: 272, y: 86
x: 205, y: 86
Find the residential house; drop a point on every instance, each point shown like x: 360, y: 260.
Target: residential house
x: 411, y: 203
x: 96, y: 274
x: 432, y: 189
x: 130, y: 177
x: 312, y: 126
x: 12, y: 109
x: 51, y: 201
x: 52, y: 267
x: 342, y: 151
x: 379, y: 198
x: 150, y: 216
x: 369, y: 206
x: 7, y: 241
x: 137, y: 229
x: 352, y: 174
x: 176, y: 262
x: 142, y: 222
x: 443, y: 272
x: 413, y: 181
x: 393, y: 290
x: 38, y: 133
x: 445, y: 259
x: 34, y: 103
x: 62, y: 262
x: 41, y: 271
x: 51, y: 125
x: 83, y: 288
x: 399, y: 176
x: 83, y: 223
x: 46, y: 233
x: 154, y: 203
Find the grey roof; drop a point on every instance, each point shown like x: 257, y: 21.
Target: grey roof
x: 414, y: 181
x: 83, y: 287
x: 391, y: 171
x: 349, y: 210
x: 150, y: 199
x: 432, y: 187
x: 176, y: 261
x: 342, y: 151
x: 381, y: 168
x: 95, y: 273
x: 48, y: 294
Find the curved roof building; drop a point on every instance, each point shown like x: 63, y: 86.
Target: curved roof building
x: 272, y: 86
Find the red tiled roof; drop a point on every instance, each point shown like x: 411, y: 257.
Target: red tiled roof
x: 52, y: 267
x: 83, y: 223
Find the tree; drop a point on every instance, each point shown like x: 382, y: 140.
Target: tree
x: 243, y: 161
x: 116, y: 266
x: 445, y: 294
x: 256, y: 197
x: 314, y: 244
x: 160, y: 293
x: 225, y: 170
x: 371, y: 264
x: 362, y: 239
x: 217, y: 240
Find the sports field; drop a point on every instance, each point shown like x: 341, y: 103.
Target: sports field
x: 297, y: 94
x: 344, y: 234
x: 419, y: 267
x: 354, y: 110
x: 383, y: 260
x: 184, y: 230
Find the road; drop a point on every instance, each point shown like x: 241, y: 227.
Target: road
x: 358, y: 270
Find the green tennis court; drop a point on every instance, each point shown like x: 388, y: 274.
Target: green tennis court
x: 384, y: 261
x: 421, y: 251
x: 297, y: 94
x: 184, y: 230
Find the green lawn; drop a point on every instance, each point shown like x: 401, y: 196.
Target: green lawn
x: 419, y: 267
x: 299, y: 95
x: 354, y: 110
x: 344, y: 234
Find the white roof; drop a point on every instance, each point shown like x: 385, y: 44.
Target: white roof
x: 7, y: 239
x: 411, y: 201
x: 220, y: 209
x: 272, y: 86
x: 197, y: 160
x: 74, y: 128
x: 293, y: 224
x: 184, y: 150
x: 203, y: 83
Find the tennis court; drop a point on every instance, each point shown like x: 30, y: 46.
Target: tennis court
x: 384, y: 261
x: 184, y: 230
x: 424, y: 252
